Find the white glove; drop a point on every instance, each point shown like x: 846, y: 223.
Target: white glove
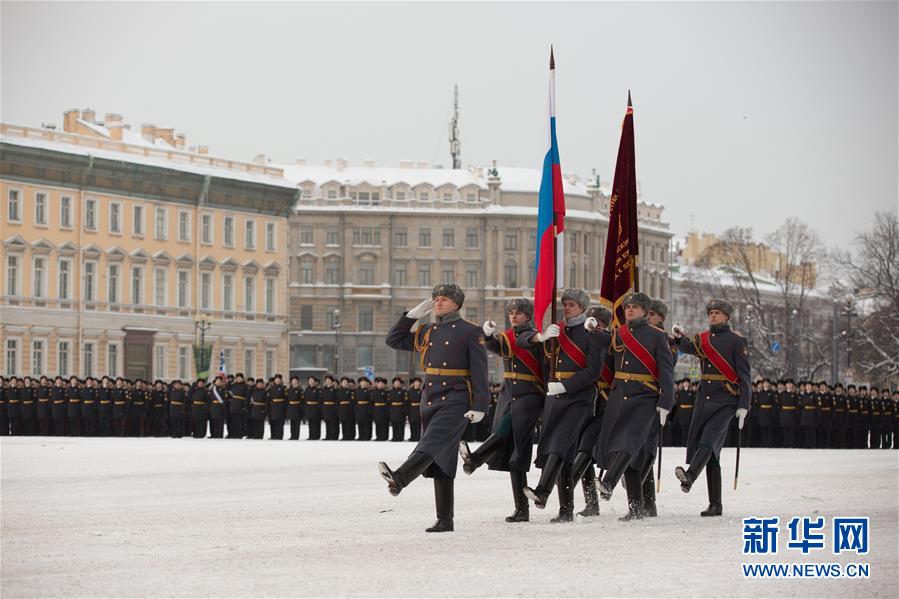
x: 422, y: 309
x: 663, y: 415
x: 678, y: 331
x: 489, y: 328
x: 550, y: 332
x: 590, y: 324
x: 555, y: 388
x: 741, y: 416
x: 474, y: 415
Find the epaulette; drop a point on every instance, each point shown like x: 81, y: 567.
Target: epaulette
x: 658, y: 328
x: 737, y: 333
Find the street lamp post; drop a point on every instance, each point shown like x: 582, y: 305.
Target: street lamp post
x: 794, y: 344
x: 202, y: 322
x: 336, y: 325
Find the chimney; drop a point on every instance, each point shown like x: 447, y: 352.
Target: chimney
x: 424, y: 164
x: 167, y: 134
x: 148, y: 131
x: 340, y: 163
x: 203, y: 150
x: 112, y: 118
x: 260, y: 159
x: 300, y: 161
x: 88, y: 115
x: 180, y: 141
x: 407, y: 164
x: 68, y: 120
x: 115, y: 131
x: 368, y: 163
x: 328, y: 163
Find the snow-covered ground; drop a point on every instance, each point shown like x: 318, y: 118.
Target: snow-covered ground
x: 188, y: 517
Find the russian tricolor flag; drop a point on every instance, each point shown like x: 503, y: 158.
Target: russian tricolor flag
x: 550, y: 217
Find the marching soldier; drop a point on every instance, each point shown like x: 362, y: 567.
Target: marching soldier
x: 380, y: 409
x: 788, y: 413
x: 454, y: 358
x: 329, y: 409
x: 177, y: 401
x: 218, y: 406
x: 640, y: 399
x: 415, y: 409
x: 295, y: 407
x: 258, y: 410
x: 73, y: 406
x: 346, y: 410
x: 570, y: 399
x: 765, y: 417
x: 684, y: 412
x: 724, y: 393
x: 520, y: 403
x: 199, y: 408
x: 363, y: 409
x: 312, y: 400
x: 398, y: 398
x: 58, y: 409
x: 237, y: 407
x: 277, y: 396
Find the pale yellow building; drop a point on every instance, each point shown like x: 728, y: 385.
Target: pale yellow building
x: 115, y: 245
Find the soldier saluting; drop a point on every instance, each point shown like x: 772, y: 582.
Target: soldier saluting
x: 454, y: 358
x: 725, y: 390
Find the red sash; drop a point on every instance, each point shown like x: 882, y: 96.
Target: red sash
x: 605, y: 374
x: 570, y: 348
x: 526, y: 357
x: 717, y: 359
x: 639, y: 351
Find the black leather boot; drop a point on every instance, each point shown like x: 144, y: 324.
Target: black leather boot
x: 472, y: 460
x: 582, y: 461
x: 634, y: 486
x: 619, y: 462
x: 649, y: 494
x: 412, y: 468
x: 443, y: 499
x: 522, y: 508
x: 591, y: 499
x: 566, y: 497
x: 713, y: 480
x: 688, y: 477
x: 548, y: 477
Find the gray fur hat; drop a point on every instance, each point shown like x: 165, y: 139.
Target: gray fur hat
x: 581, y: 297
x: 600, y: 313
x: 450, y: 290
x: 522, y: 304
x: 659, y: 307
x: 721, y: 305
x: 639, y: 299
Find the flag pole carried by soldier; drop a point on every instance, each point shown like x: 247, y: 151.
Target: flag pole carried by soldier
x: 724, y: 392
x: 454, y: 358
x: 520, y: 403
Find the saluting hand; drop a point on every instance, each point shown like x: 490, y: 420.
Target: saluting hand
x: 489, y: 328
x: 422, y: 309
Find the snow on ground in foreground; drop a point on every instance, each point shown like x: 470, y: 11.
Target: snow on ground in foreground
x: 189, y: 517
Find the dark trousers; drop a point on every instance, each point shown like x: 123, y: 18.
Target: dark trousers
x: 256, y: 429
x: 294, y: 430
x: 315, y: 429
x: 277, y: 428
x: 399, y: 430
x: 4, y: 425
x: 74, y: 426
x: 199, y: 426
x: 91, y: 425
x: 875, y: 439
x: 861, y: 437
x: 887, y: 441
x: 364, y: 430
x: 217, y: 428
x: 382, y: 431
x: 332, y: 431
x: 824, y: 438
x: 237, y: 425
x: 176, y: 427
x: 808, y: 433
x: 415, y: 430
x: 767, y: 436
x: 789, y: 436
x: 44, y: 425
x: 59, y: 426
x: 105, y: 425
x: 120, y: 424
x: 348, y: 430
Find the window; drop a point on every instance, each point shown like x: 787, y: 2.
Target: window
x: 471, y: 198
x: 448, y: 273
x: 331, y: 320
x: 511, y: 277
x: 400, y: 237
x: 229, y: 360
x: 399, y: 275
x: 332, y: 194
x: 249, y: 362
x: 183, y: 289
x: 206, y: 228
x: 423, y: 196
x: 65, y: 277
x: 137, y: 221
x: 366, y: 272
x: 37, y: 357
x: 250, y: 234
x: 40, y: 208
x: 249, y: 296
x: 160, y: 282
x: 183, y: 225
x: 306, y: 317
x: 471, y: 238
x: 206, y: 290
x: 572, y: 275
x: 12, y: 356
x: 307, y: 235
x: 12, y: 275
x: 229, y: 231
x: 572, y: 245
x: 40, y: 274
x: 90, y: 278
x: 447, y: 197
x: 14, y: 206
x: 364, y: 356
x: 112, y: 294
x: 112, y: 360
x: 270, y: 237
x: 471, y: 275
x: 332, y: 236
x: 227, y: 292
x: 401, y: 195
x: 87, y: 360
x: 162, y: 223
x: 307, y: 270
x: 424, y: 238
x: 472, y: 314
x: 62, y: 358
x: 115, y: 217
x: 532, y: 239
x: 511, y: 241
x: 449, y: 238
x: 367, y: 236
x: 269, y: 363
x: 183, y: 362
x: 332, y: 271
x: 90, y: 215
x: 532, y: 273
x: 270, y: 295
x: 137, y: 278
x: 159, y: 362
x: 366, y: 318
x: 65, y: 212
x: 424, y: 275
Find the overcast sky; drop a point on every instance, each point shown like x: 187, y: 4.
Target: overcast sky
x: 745, y: 114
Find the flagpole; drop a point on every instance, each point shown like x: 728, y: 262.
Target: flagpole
x: 554, y: 342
